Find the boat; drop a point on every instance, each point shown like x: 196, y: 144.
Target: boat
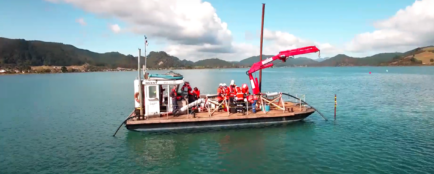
x: 213, y: 110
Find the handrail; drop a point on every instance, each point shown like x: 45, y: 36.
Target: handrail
x: 289, y: 95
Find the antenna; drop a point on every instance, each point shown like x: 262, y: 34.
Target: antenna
x: 146, y: 44
x: 138, y: 66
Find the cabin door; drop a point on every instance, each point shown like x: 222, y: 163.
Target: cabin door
x: 152, y: 102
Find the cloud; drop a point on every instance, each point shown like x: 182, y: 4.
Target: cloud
x: 280, y: 41
x: 115, y: 28
x: 408, y: 28
x: 234, y: 52
x: 249, y: 36
x: 81, y: 21
x: 191, y: 29
x: 190, y: 22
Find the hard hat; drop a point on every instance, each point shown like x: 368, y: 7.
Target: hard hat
x: 221, y: 84
x: 224, y: 84
x: 245, y: 88
x: 232, y: 82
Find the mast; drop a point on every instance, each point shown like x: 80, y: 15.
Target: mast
x: 138, y: 66
x: 146, y: 44
x: 140, y: 86
x: 260, y: 52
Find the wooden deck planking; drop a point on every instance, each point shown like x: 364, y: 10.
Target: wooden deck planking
x: 218, y: 116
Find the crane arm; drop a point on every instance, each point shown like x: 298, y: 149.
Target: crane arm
x: 283, y: 55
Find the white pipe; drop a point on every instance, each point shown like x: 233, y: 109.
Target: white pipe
x: 271, y: 94
x: 199, y: 101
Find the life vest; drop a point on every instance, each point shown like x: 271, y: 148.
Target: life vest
x: 219, y: 91
x: 186, y: 90
x: 239, y: 95
x: 219, y: 94
x: 232, y: 91
x: 251, y: 98
x: 136, y: 95
x: 197, y: 92
x: 226, y: 93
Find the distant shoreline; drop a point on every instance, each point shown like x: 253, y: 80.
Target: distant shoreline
x: 170, y: 69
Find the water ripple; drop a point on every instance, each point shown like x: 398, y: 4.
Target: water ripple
x: 384, y: 125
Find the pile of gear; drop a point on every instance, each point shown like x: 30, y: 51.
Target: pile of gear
x: 236, y: 97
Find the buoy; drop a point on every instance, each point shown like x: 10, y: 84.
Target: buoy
x: 369, y: 72
x: 136, y: 96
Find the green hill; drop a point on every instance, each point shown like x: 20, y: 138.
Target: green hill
x: 418, y: 56
x: 251, y: 60
x: 338, y: 60
x: 344, y: 60
x: 378, y: 58
x: 22, y: 53
x: 213, y: 62
x: 163, y: 60
x: 298, y: 61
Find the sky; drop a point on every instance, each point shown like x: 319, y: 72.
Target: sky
x: 225, y: 29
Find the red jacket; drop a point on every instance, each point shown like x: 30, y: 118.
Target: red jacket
x: 188, y: 89
x: 232, y: 91
x: 197, y: 92
x: 219, y: 91
x: 173, y: 92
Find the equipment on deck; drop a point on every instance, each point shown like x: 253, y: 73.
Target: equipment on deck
x: 283, y: 55
x: 195, y: 103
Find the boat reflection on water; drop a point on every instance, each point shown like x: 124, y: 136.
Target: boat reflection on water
x: 210, y: 151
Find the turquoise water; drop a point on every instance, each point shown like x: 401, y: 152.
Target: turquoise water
x: 63, y: 123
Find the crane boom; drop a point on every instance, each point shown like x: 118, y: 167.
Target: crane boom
x: 283, y: 55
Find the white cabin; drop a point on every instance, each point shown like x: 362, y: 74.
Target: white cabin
x: 156, y: 100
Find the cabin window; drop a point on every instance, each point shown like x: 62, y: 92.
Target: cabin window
x: 152, y: 92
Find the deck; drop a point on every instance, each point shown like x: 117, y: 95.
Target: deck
x: 293, y: 113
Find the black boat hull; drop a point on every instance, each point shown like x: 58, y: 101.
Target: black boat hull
x: 235, y: 123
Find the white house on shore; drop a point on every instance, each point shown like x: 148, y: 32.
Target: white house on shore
x: 2, y: 71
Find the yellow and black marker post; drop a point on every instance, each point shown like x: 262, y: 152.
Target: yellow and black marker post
x: 335, y: 106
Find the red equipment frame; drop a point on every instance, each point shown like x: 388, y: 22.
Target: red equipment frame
x: 283, y: 55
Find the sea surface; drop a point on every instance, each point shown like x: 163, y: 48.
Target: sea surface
x: 63, y: 123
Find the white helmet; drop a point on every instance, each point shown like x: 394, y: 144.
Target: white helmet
x: 224, y: 84
x: 221, y: 84
x: 232, y: 82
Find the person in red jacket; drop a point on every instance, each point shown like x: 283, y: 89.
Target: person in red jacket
x: 232, y: 90
x: 220, y: 92
x: 187, y: 92
x: 186, y: 89
x: 226, y: 92
x: 196, y: 93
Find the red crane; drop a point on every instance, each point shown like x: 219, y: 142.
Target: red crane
x: 283, y: 55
